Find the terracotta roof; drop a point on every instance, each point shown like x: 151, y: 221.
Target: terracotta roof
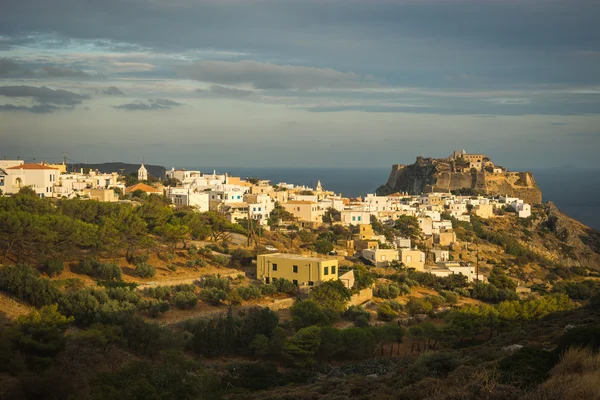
x: 143, y: 187
x: 32, y: 166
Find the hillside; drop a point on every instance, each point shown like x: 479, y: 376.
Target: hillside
x: 440, y: 175
x: 157, y: 171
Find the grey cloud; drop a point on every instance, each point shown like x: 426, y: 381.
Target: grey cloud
x: 10, y: 68
x: 64, y: 72
x: 540, y: 104
x: 226, y: 92
x: 110, y: 91
x: 37, y: 109
x: 152, y: 104
x: 267, y: 75
x: 43, y: 94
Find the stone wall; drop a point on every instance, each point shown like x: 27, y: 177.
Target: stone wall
x: 361, y: 297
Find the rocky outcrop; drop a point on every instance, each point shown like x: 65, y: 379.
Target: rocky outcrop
x: 430, y: 175
x: 582, y: 244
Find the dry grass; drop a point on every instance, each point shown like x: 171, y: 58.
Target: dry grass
x: 575, y: 377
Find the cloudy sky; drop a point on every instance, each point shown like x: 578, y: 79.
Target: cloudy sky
x: 322, y: 83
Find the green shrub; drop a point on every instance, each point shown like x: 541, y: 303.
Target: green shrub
x: 104, y: 271
x: 54, y: 267
x: 249, y: 292
x: 213, y: 295
x: 159, y: 292
x: 199, y: 262
x: 185, y: 299
x: 221, y: 260
x: 354, y: 312
x: 24, y: 282
x: 215, y: 281
x: 386, y: 313
x: 528, y: 366
x: 123, y: 294
x: 157, y: 307
x: 192, y: 250
x: 268, y: 289
x: 145, y: 270
x: 450, y: 297
x: 285, y: 286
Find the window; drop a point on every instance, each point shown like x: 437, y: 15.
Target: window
x: 333, y: 269
x: 274, y: 267
x: 359, y: 218
x: 295, y: 269
x: 295, y: 282
x: 353, y: 218
x: 408, y: 258
x: 311, y: 283
x: 326, y: 271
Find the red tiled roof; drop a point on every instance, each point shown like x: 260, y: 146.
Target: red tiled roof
x: 32, y: 166
x: 143, y: 187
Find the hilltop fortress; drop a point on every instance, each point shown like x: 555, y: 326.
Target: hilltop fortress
x: 461, y: 171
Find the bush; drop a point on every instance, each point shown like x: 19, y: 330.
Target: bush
x: 285, y: 286
x: 268, y: 290
x: 105, y: 271
x: 159, y: 292
x: 361, y: 322
x: 185, y: 299
x: 221, y: 260
x: 213, y: 296
x: 385, y: 291
x: 323, y: 246
x: 24, y: 282
x: 138, y: 259
x: 193, y: 250
x: 145, y: 270
x: 528, y: 366
x: 249, y: 292
x: 386, y: 313
x: 154, y: 307
x: 54, y: 267
x: 241, y: 257
x: 200, y: 262
x: 450, y: 297
x: 123, y: 294
x: 354, y: 312
x: 215, y: 281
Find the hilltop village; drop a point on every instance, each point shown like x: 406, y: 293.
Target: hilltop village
x: 284, y: 207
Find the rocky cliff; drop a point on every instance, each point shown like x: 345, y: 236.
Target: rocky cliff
x: 430, y: 175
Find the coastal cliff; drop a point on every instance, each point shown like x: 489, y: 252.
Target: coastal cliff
x: 428, y: 175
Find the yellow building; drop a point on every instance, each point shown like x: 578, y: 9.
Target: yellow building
x: 305, y: 211
x: 413, y: 259
x: 301, y: 270
x: 484, y: 211
x: 366, y: 232
x: 106, y: 195
x: 445, y: 238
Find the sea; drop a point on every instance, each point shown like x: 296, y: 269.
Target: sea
x: 576, y: 192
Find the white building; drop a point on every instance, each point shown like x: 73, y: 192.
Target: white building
x: 402, y: 243
x: 523, y: 210
x: 426, y: 225
x: 355, y: 217
x: 381, y: 257
x: 440, y: 255
x: 142, y: 173
x: 187, y: 197
x: 10, y: 163
x: 40, y: 178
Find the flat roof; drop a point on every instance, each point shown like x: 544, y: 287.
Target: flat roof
x: 297, y: 257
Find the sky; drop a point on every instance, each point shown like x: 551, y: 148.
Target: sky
x: 300, y: 83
